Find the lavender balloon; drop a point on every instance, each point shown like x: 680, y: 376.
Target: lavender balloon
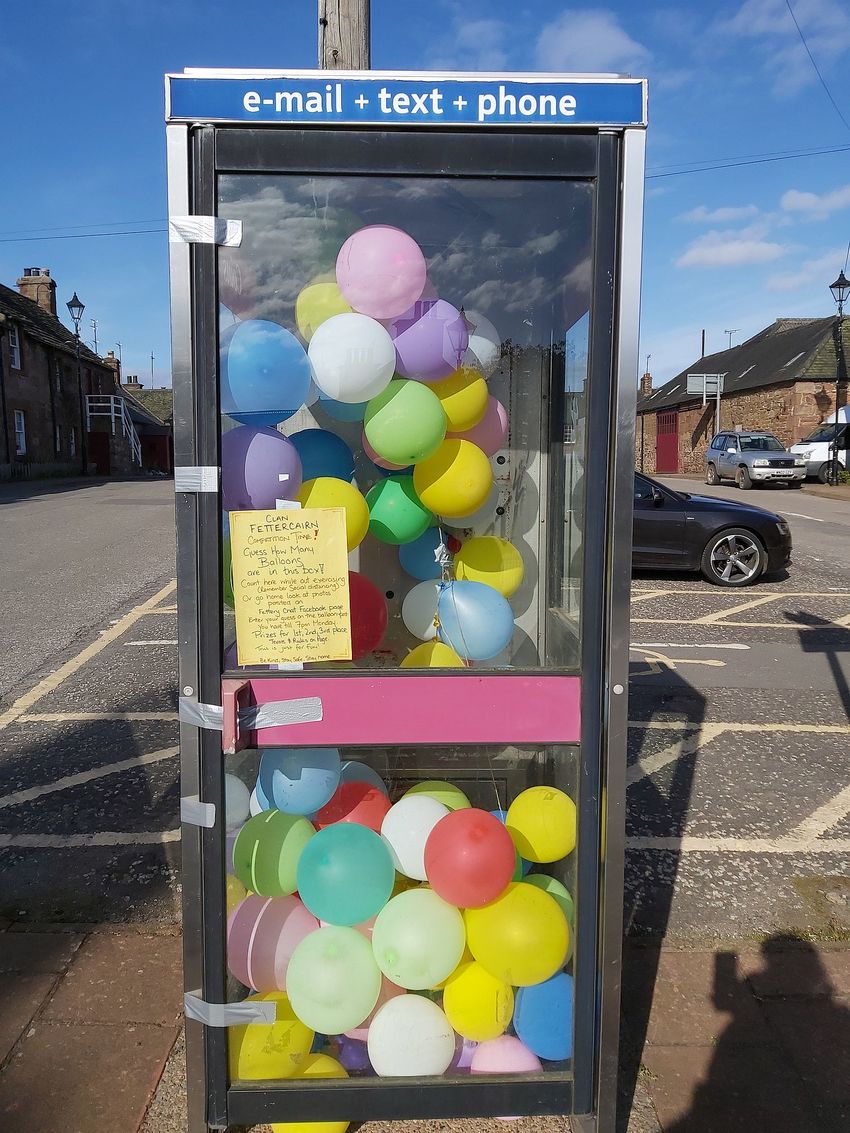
x: 430, y: 340
x: 258, y: 466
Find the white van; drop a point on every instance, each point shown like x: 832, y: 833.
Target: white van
x: 818, y: 447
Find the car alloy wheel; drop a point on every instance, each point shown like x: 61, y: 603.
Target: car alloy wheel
x: 742, y: 479
x: 711, y: 476
x: 733, y: 558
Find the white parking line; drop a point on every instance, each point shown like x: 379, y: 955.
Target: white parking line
x: 68, y: 781
x: 684, y: 645
x: 693, y: 845
x: 80, y: 841
x: 797, y: 515
x: 164, y: 641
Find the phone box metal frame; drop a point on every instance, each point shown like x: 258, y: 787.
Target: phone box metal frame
x: 590, y: 128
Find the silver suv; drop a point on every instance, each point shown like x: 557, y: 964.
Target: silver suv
x: 752, y: 458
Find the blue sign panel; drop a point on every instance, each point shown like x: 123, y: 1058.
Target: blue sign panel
x: 379, y: 99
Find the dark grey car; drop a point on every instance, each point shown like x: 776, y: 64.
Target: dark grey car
x: 751, y: 458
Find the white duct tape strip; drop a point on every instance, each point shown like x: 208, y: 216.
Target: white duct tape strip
x: 275, y: 714
x: 195, y: 813
x: 201, y: 715
x: 196, y: 478
x: 205, y: 230
x: 227, y: 1014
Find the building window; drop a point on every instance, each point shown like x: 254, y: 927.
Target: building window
x: 57, y: 438
x: 73, y: 440
x: 14, y: 348
x: 20, y: 432
x: 57, y: 374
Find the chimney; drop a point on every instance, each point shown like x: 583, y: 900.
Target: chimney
x: 37, y: 285
x: 132, y: 383
x: 115, y: 366
x: 646, y: 384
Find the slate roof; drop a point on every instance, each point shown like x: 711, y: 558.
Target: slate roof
x: 158, y: 402
x: 35, y: 322
x: 143, y: 413
x: 788, y: 350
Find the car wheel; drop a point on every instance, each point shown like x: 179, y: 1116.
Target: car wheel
x: 742, y: 478
x: 711, y: 476
x: 733, y: 558
x: 825, y: 472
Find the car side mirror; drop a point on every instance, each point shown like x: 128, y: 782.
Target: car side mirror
x: 731, y: 451
x: 657, y: 497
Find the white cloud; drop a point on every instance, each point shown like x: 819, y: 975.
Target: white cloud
x: 733, y: 248
x: 817, y: 206
x: 474, y: 45
x: 724, y: 215
x: 817, y: 270
x: 589, y: 39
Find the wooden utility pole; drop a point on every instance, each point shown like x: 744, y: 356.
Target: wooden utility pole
x: 344, y: 37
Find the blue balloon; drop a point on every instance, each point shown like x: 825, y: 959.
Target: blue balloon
x: 543, y: 1017
x: 323, y: 454
x: 226, y: 318
x: 265, y: 373
x: 342, y: 410
x: 475, y: 620
x: 353, y: 772
x: 298, y: 780
x: 261, y: 794
x: 418, y: 558
x: 348, y: 875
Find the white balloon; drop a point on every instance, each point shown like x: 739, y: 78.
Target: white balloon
x: 418, y: 609
x: 353, y: 358
x: 410, y: 1035
x: 485, y: 344
x: 237, y: 801
x: 405, y: 831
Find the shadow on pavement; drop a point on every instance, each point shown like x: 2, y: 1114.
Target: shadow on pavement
x: 823, y: 636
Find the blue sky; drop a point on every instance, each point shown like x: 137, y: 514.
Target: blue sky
x: 728, y: 248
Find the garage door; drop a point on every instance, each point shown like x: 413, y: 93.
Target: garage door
x: 667, y: 442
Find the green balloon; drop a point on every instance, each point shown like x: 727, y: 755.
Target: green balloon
x: 555, y: 889
x: 332, y: 980
x: 227, y: 571
x: 418, y: 939
x: 396, y: 514
x: 405, y: 422
x: 267, y: 850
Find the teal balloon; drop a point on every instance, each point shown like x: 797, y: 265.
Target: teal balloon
x: 396, y: 514
x: 348, y: 877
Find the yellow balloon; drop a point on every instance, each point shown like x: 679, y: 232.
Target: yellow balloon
x: 328, y: 491
x: 317, y: 303
x: 542, y: 823
x: 521, y: 938
x: 478, y: 1005
x: 491, y: 560
x: 464, y: 397
x: 466, y: 958
x: 446, y: 793
x: 315, y: 1066
x: 454, y: 481
x: 432, y: 655
x: 236, y: 892
x: 259, y: 1051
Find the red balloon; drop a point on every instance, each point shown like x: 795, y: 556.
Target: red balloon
x: 368, y: 615
x: 354, y: 802
x: 469, y: 858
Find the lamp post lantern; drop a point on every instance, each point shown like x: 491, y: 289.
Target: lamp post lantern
x: 840, y: 290
x: 75, y: 310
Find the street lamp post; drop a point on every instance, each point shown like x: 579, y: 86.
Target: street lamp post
x: 840, y: 290
x: 75, y: 309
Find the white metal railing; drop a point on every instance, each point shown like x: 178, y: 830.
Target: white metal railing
x: 115, y: 408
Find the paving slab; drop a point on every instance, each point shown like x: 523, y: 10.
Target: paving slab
x: 36, y: 951
x: 816, y: 1035
x: 798, y: 971
x: 21, y: 995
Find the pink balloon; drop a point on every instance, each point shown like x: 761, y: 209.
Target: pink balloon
x: 491, y: 431
x: 262, y: 934
x: 388, y: 991
x: 379, y: 460
x: 504, y: 1055
x: 381, y: 271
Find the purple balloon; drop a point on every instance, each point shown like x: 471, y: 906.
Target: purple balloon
x: 430, y: 340
x: 464, y: 1050
x: 258, y: 466
x: 353, y: 1055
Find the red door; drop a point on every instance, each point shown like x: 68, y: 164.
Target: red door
x: 667, y: 442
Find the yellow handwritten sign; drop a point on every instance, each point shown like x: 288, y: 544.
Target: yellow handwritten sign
x: 290, y: 584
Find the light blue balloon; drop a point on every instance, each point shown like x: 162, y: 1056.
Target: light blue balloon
x: 348, y: 875
x: 353, y: 772
x: 265, y: 373
x: 475, y: 620
x: 543, y: 1017
x: 265, y: 804
x: 417, y: 558
x: 342, y: 410
x: 299, y: 780
x: 323, y: 454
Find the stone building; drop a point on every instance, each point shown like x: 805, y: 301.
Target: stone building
x: 782, y: 380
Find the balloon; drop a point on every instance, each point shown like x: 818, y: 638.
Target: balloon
x: 341, y: 410
x: 258, y: 466
x: 555, y: 889
x: 262, y: 934
x: 369, y: 614
x: 521, y: 867
x: 419, y: 557
x: 237, y: 802
x: 430, y: 340
x: 328, y: 491
x: 454, y: 481
x: 464, y: 1050
x: 405, y: 830
x: 267, y: 849
x: 226, y: 318
x: 235, y: 893
x: 469, y: 858
x: 388, y: 991
x: 477, y: 1005
x: 265, y: 374
x: 357, y: 801
x: 446, y: 793
x: 494, y: 561
x: 323, y: 454
x: 522, y: 937
x: 299, y: 780
x: 419, y: 609
x: 345, y: 874
x: 227, y: 575
x: 410, y: 1036
x: 381, y: 271
x: 463, y: 396
x: 485, y: 344
x: 354, y: 772
x: 475, y: 620
x: 542, y: 823
x: 480, y: 519
x: 317, y: 303
x: 259, y: 796
x: 395, y: 512
x: 353, y: 358
x: 376, y: 459
x: 260, y: 1051
x: 418, y: 939
x: 333, y: 981
x: 544, y: 1017
x: 491, y: 432
x: 405, y: 422
x: 504, y: 1055
x: 432, y: 655
x: 354, y: 1056
x: 315, y: 1066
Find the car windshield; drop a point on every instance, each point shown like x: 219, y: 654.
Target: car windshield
x: 761, y: 444
x: 822, y: 433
